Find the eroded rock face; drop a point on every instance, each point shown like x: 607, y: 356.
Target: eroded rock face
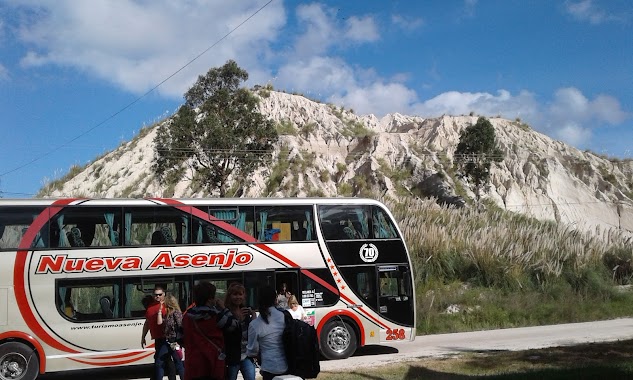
x: 334, y: 152
x: 434, y: 186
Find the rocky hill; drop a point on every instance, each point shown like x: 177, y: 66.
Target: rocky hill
x: 325, y: 150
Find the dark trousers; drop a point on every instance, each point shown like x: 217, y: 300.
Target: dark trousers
x: 165, y: 362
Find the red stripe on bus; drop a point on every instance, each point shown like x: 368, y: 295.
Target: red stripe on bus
x: 19, y: 272
x: 338, y: 312
x: 117, y: 356
x: 362, y: 310
x: 107, y: 364
x: 279, y: 256
x: 205, y: 216
x: 24, y: 336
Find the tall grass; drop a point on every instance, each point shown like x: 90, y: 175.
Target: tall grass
x: 503, y: 269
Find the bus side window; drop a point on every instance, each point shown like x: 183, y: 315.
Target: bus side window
x: 383, y: 227
x: 314, y: 293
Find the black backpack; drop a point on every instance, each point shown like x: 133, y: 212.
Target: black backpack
x: 301, y: 346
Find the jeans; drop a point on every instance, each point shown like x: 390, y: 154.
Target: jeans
x: 246, y: 366
x: 163, y: 352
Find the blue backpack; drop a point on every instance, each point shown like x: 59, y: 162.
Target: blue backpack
x: 301, y: 346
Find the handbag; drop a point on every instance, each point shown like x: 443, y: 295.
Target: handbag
x: 221, y: 354
x: 176, y: 348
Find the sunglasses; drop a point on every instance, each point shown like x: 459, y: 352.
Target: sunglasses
x: 158, y: 294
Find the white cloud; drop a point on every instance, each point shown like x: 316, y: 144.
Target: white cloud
x: 361, y: 29
x: 322, y: 75
x: 321, y: 30
x: 468, y: 9
x: 460, y: 103
x: 573, y: 134
x: 408, y: 24
x: 586, y: 10
x: 570, y: 116
x: 570, y: 104
x: 4, y: 72
x: 136, y: 44
x: 377, y: 98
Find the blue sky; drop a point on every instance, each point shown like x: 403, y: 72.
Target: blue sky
x: 71, y: 69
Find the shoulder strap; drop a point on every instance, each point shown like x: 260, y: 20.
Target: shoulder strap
x: 206, y: 337
x: 287, y: 316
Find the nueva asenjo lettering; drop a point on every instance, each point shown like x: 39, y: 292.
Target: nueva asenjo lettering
x: 57, y: 264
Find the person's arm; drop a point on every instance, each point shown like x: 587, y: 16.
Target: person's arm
x: 145, y: 330
x: 159, y: 319
x: 252, y: 347
x: 227, y: 321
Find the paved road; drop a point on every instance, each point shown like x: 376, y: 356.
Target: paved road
x: 433, y: 346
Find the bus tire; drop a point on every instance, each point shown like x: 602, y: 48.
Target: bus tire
x: 18, y: 362
x: 338, y: 340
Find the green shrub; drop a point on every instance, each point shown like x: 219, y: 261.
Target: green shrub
x: 286, y: 127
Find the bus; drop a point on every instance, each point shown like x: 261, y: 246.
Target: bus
x: 74, y: 272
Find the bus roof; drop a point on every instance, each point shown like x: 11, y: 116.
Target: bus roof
x: 4, y: 202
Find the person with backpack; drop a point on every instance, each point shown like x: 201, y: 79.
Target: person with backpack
x: 236, y: 341
x: 265, y: 336
x: 204, y: 326
x: 301, y: 344
x: 173, y: 329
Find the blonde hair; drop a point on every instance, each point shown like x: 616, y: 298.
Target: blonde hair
x: 235, y: 287
x: 293, y: 301
x: 171, y: 304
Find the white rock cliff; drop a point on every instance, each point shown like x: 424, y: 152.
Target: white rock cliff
x: 334, y: 152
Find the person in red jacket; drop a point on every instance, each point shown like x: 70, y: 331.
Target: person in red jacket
x: 204, y: 326
x: 157, y: 331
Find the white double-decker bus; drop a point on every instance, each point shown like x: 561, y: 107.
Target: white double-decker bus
x: 74, y: 272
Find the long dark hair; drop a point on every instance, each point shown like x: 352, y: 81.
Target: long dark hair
x: 266, y: 299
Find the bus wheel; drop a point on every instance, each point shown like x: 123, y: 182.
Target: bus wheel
x: 18, y: 362
x: 338, y: 340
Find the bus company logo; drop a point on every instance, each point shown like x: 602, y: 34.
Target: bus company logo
x: 368, y: 253
x: 57, y: 264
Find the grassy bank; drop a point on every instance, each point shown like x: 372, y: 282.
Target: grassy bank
x: 490, y: 269
x: 588, y: 361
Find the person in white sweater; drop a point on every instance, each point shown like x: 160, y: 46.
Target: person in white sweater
x: 295, y: 309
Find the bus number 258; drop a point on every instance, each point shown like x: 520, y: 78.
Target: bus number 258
x: 395, y: 334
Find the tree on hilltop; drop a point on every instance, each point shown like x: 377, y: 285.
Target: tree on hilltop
x: 216, y: 134
x: 476, y: 151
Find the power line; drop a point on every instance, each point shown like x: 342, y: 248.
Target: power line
x: 112, y: 116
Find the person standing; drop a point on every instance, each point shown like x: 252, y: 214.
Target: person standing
x: 236, y: 341
x: 265, y: 336
x: 282, y: 296
x: 204, y: 326
x: 154, y: 311
x: 171, y: 325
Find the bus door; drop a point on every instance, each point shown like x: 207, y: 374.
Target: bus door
x: 395, y: 298
x: 287, y: 284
